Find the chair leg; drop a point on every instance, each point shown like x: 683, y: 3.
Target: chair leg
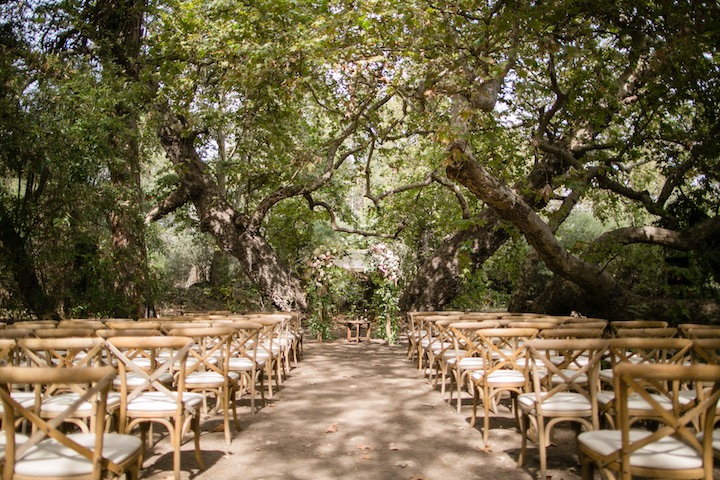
x: 486, y: 412
x: 542, y: 446
x: 176, y: 441
x: 476, y: 397
x: 196, y: 438
x: 524, y: 433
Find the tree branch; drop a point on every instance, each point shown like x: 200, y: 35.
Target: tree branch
x: 694, y: 238
x: 332, y: 163
x: 335, y: 227
x: 169, y: 204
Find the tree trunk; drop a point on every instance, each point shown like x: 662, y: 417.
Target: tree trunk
x: 14, y: 249
x: 510, y: 206
x: 119, y: 34
x: 229, y: 228
x: 437, y: 281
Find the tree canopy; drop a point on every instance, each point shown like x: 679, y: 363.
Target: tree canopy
x: 519, y: 155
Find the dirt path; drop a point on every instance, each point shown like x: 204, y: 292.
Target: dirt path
x: 352, y: 411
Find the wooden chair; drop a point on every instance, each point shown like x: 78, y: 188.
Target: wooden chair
x: 131, y: 325
x: 244, y: 359
x: 9, y: 357
x: 433, y: 341
x: 468, y: 356
x: 33, y: 324
x: 640, y: 351
x: 673, y: 449
x: 7, y: 352
x: 269, y: 350
x: 699, y: 331
x: 564, y: 375
x: 50, y: 452
x: 620, y: 324
x: 428, y: 336
x: 165, y: 327
x: 706, y: 351
x: 81, y: 323
x: 414, y: 334
x: 208, y: 372
x: 659, y: 332
x: 66, y: 353
x: 64, y: 332
x: 143, y: 365
x: 283, y: 338
x: 106, y: 333
x: 444, y: 352
x: 504, y: 370
x: 15, y: 333
x: 577, y: 332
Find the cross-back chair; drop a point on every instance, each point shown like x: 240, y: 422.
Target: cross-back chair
x: 244, y: 360
x: 504, y: 370
x: 66, y: 353
x: 468, y: 356
x: 564, y: 376
x: 641, y: 351
x: 673, y: 449
x: 52, y: 453
x: 145, y: 365
x: 208, y: 371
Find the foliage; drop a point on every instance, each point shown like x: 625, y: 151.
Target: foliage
x: 353, y: 104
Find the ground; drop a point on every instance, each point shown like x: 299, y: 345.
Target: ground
x: 360, y: 411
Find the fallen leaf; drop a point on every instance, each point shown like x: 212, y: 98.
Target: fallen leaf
x: 332, y: 428
x: 484, y: 449
x: 366, y: 457
x: 360, y: 446
x: 219, y: 428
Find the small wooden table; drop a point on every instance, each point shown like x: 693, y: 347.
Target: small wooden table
x: 357, y: 325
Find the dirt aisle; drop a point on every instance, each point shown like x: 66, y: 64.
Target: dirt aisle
x: 347, y: 411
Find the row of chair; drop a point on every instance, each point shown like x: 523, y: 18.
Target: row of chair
x: 553, y: 369
x: 164, y: 377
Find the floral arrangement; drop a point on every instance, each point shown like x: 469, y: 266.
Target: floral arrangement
x: 385, y: 265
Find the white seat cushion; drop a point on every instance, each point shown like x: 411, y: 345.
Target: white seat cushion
x: 506, y: 376
x: 452, y: 353
x: 243, y: 364
x: 60, y: 403
x: 560, y: 402
x: 665, y: 454
x: 26, y: 399
x: 205, y: 378
x: 472, y: 363
x: 636, y: 402
x: 19, y: 439
x: 50, y: 456
x: 501, y: 377
x: 135, y: 379
x: 159, y: 402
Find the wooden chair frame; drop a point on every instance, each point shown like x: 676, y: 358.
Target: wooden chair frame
x: 564, y: 374
x: 98, y: 454
x: 185, y: 413
x: 627, y: 453
x: 65, y: 353
x: 207, y: 370
x: 504, y: 370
